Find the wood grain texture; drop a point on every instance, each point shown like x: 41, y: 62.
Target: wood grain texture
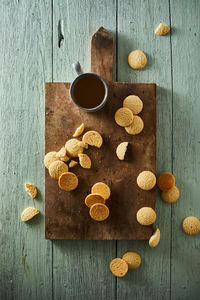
x: 136, y: 24
x: 25, y: 60
x: 185, y: 283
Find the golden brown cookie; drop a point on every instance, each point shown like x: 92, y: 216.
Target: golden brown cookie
x: 162, y: 29
x: 49, y: 158
x: 73, y: 148
x: 123, y: 116
x: 165, y: 181
x: 93, y: 199
x: 93, y: 138
x: 155, y: 238
x: 121, y: 150
x: 133, y: 260
x: 146, y: 216
x: 119, y: 267
x: 31, y: 189
x: 29, y: 213
x: 137, y: 60
x: 136, y: 126
x: 134, y: 103
x: 62, y: 155
x: 56, y: 168
x: 84, y: 161
x: 99, y: 212
x: 171, y: 195
x: 146, y: 180
x: 84, y: 145
x: 68, y: 181
x: 73, y: 163
x: 79, y: 130
x: 102, y: 189
x: 191, y: 225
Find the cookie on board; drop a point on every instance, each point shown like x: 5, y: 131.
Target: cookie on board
x: 137, y: 60
x: 73, y: 163
x: 165, y: 181
x: 93, y: 199
x: 79, y: 130
x: 136, y: 126
x: 29, y: 213
x: 162, y: 29
x: 134, y: 103
x: 31, y: 189
x: 191, y: 225
x: 73, y: 148
x: 123, y: 116
x: 84, y: 161
x: 99, y: 212
x: 146, y: 180
x: 133, y: 260
x: 121, y: 150
x: 49, y: 158
x: 56, y: 168
x: 155, y: 238
x: 118, y: 267
x: 171, y: 195
x: 146, y: 216
x: 68, y: 181
x: 102, y: 189
x: 93, y: 138
x: 62, y: 155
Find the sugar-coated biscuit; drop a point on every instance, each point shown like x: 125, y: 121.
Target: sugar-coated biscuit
x: 134, y: 103
x: 73, y: 163
x: 191, y: 225
x: 99, y: 212
x: 137, y: 60
x: 146, y: 180
x: 155, y: 238
x: 102, y: 189
x: 171, y: 196
x: 29, y: 213
x: 49, y: 158
x: 165, y: 181
x: 123, y: 116
x: 133, y: 260
x: 146, y: 216
x: 79, y: 130
x: 84, y: 161
x: 136, y: 126
x: 73, y: 148
x: 68, y: 181
x: 121, y: 150
x: 93, y: 199
x: 56, y: 168
x: 31, y: 189
x: 118, y: 267
x: 62, y: 155
x: 162, y: 29
x: 93, y: 138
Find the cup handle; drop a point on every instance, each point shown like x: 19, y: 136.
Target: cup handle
x: 77, y: 67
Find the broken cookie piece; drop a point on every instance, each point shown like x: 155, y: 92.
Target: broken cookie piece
x: 121, y: 150
x: 61, y: 154
x: 162, y: 29
x: 73, y: 163
x: 29, y: 213
x: 79, y: 130
x: 93, y: 138
x: 73, y: 148
x: 84, y: 161
x: 31, y: 189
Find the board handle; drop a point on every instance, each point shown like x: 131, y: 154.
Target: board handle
x: 77, y: 68
x: 102, y: 47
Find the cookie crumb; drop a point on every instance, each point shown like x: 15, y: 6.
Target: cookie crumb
x: 162, y: 29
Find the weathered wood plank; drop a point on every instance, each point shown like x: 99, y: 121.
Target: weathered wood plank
x: 25, y: 60
x: 185, y: 279
x: 136, y: 24
x: 85, y: 265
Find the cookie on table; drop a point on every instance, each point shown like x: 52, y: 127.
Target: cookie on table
x: 155, y: 238
x: 165, y: 181
x: 191, y: 225
x: 73, y: 163
x: 62, y: 155
x: 68, y: 181
x: 137, y: 60
x: 146, y: 216
x: 84, y: 161
x: 118, y: 267
x: 133, y: 260
x: 134, y: 103
x: 171, y: 196
x: 93, y: 199
x: 146, y: 180
x: 99, y: 212
x: 123, y: 116
x: 79, y: 130
x: 162, y: 29
x: 29, y: 213
x: 31, y: 189
x: 121, y: 150
x: 93, y: 138
x: 49, y: 158
x: 73, y: 148
x: 102, y: 189
x: 56, y: 168
x: 136, y: 126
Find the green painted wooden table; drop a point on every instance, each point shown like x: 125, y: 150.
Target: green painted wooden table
x: 30, y: 266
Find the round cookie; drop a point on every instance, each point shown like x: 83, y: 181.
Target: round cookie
x: 171, y: 195
x: 93, y: 199
x: 84, y: 161
x: 155, y: 238
x: 191, y: 225
x: 56, y: 168
x: 49, y: 158
x: 134, y: 103
x: 165, y: 181
x: 99, y: 212
x: 121, y: 150
x: 136, y: 126
x: 137, y: 60
x: 102, y: 189
x: 146, y: 216
x: 93, y: 138
x: 133, y: 260
x: 119, y: 267
x: 123, y: 116
x: 146, y: 180
x: 73, y: 148
x: 68, y: 181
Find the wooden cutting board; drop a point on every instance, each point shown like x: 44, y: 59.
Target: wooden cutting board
x: 66, y: 216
